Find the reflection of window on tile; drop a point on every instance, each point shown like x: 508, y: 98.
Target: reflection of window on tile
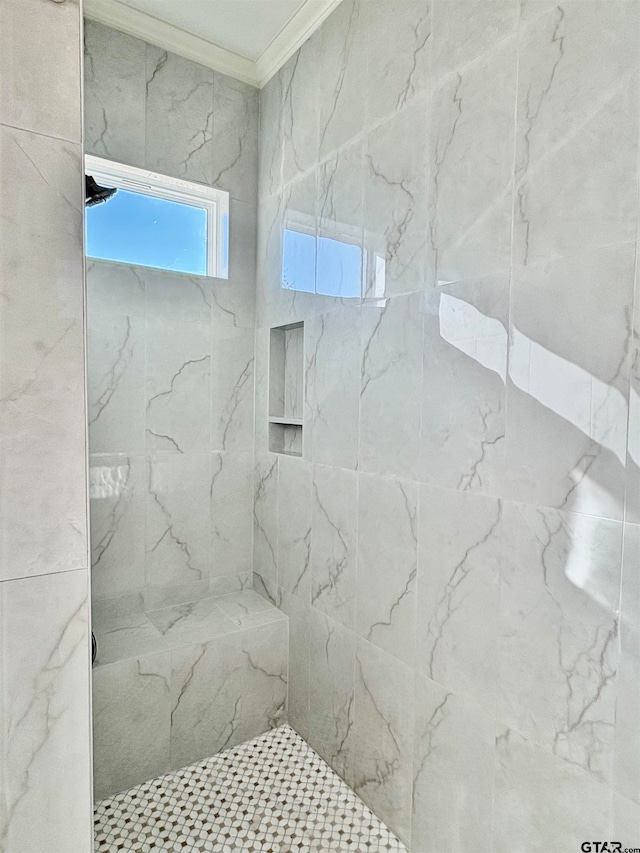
x: 339, y: 268
x: 298, y: 261
x: 157, y: 221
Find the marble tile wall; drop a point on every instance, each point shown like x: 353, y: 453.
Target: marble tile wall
x: 171, y: 357
x: 449, y: 202
x: 45, y: 745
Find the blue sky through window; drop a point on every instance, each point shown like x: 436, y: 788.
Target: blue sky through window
x: 147, y: 231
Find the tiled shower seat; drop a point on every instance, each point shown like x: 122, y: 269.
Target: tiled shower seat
x: 174, y: 686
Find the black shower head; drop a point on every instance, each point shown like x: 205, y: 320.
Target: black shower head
x: 95, y: 194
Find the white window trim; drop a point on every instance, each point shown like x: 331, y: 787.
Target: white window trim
x: 214, y: 201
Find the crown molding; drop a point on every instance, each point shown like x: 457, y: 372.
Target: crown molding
x: 150, y: 29
x: 292, y: 36
x: 157, y: 32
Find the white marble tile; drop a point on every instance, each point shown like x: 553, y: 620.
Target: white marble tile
x: 626, y: 763
x: 569, y: 382
x: 391, y: 378
x: 131, y: 708
x: 340, y: 216
x: 231, y: 516
x: 458, y: 591
x: 114, y: 94
x: 470, y: 161
x: 45, y: 734
x: 466, y: 30
x: 395, y: 204
x: 542, y: 802
x: 235, y: 138
x: 228, y: 584
x: 332, y: 693
x: 40, y: 73
x: 177, y: 520
x: 264, y: 692
x: 387, y: 564
x: 238, y: 606
x: 295, y: 492
x: 179, y: 116
x: 399, y: 46
x: 177, y: 393
x: 577, y: 102
x: 114, y: 288
x: 116, y: 383
x: 42, y: 417
x: 383, y: 737
x: 332, y: 369
x: 464, y: 374
x: 124, y: 636
x: 265, y: 517
x: 117, y: 492
x: 625, y: 822
x: 559, y: 598
x: 271, y: 136
x: 333, y: 543
x: 175, y: 297
x: 300, y: 109
x: 453, y: 772
x: 232, y: 389
x: 299, y: 684
x: 195, y: 622
x: 342, y: 72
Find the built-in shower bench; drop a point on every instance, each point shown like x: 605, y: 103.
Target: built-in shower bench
x: 176, y: 685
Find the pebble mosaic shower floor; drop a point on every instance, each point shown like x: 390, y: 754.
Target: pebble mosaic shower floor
x: 272, y: 795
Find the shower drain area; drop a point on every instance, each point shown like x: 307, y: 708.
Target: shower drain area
x: 273, y: 793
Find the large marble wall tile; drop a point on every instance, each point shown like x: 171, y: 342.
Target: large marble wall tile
x: 300, y: 91
x: 114, y: 288
x: 271, y: 136
x: 458, y: 591
x: 383, y: 737
x: 332, y: 369
x: 342, y: 72
x: 45, y: 803
x: 114, y: 94
x: 333, y: 543
x: 453, y: 772
x: 131, y: 716
x: 395, y: 204
x: 206, y: 691
x: 265, y: 517
x: 387, y: 564
x: 242, y: 248
x: 232, y: 389
x: 569, y: 382
x: 231, y: 517
x: 233, y: 304
x: 117, y: 491
x: 391, y: 377
x: 116, y: 383
x: 235, y: 138
x: 464, y: 375
x: 178, y: 376
x: 264, y: 693
x: 399, y: 45
x: 542, y: 802
x: 295, y: 489
x: 177, y: 520
x: 332, y: 693
x: 42, y: 413
x: 179, y: 116
x: 577, y: 102
x: 625, y: 822
x: 559, y: 598
x: 626, y: 766
x: 175, y: 297
x: 340, y: 214
x: 471, y: 164
x: 466, y: 30
x: 47, y: 103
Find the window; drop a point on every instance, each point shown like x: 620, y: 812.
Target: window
x: 157, y: 221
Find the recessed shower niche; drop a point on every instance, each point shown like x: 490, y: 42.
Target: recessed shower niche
x: 286, y: 389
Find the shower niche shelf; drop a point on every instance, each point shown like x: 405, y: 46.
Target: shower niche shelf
x: 286, y: 389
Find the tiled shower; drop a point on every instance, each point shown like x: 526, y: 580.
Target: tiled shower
x: 376, y: 493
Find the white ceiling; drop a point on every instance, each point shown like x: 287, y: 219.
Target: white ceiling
x: 249, y: 39
x: 246, y: 27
